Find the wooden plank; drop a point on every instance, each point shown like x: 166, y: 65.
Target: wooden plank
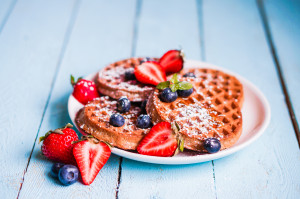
x: 6, y: 7
x: 269, y: 168
x: 165, y: 25
x: 283, y: 25
x: 102, y: 33
x: 29, y: 49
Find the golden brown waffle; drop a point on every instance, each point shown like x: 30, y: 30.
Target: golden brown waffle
x: 111, y: 81
x: 94, y: 119
x: 223, y: 85
x: 209, y: 112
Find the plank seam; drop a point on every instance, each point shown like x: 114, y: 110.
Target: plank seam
x: 199, y: 4
x: 67, y: 36
x: 271, y: 45
x: 133, y: 50
x: 7, y: 15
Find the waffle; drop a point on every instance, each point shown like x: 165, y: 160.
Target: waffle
x: 94, y: 119
x: 209, y: 112
x: 223, y: 85
x: 111, y: 81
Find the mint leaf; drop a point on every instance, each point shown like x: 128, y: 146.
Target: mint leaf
x: 174, y: 87
x: 184, y: 86
x: 163, y: 85
x: 174, y: 79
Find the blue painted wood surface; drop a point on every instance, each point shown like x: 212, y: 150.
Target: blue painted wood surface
x: 43, y: 42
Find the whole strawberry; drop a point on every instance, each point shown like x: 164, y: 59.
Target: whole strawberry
x: 57, y: 144
x: 84, y: 90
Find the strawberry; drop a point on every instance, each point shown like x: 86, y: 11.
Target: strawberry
x: 57, y: 145
x: 150, y: 72
x: 90, y: 155
x: 160, y: 141
x: 172, y: 61
x: 84, y: 90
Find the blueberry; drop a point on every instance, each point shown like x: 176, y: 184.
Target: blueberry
x: 212, y: 145
x: 143, y: 106
x: 129, y: 74
x: 168, y: 96
x: 146, y: 59
x: 143, y: 121
x: 116, y: 120
x: 68, y: 174
x: 123, y: 105
x: 185, y: 93
x: 55, y: 169
x: 189, y: 74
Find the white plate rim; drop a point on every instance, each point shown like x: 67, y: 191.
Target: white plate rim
x: 176, y: 160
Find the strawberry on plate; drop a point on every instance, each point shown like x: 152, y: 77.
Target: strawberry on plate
x: 150, y: 72
x: 160, y: 141
x: 172, y: 61
x: 90, y: 155
x: 57, y: 144
x: 84, y: 90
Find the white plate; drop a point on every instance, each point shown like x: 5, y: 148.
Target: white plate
x: 256, y: 117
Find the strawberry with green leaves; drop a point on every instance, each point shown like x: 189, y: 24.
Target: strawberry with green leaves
x: 84, y: 90
x: 91, y: 155
x: 57, y: 144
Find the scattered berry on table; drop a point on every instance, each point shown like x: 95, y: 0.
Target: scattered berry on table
x: 55, y: 169
x: 172, y: 61
x: 212, y: 145
x: 150, y: 72
x: 168, y: 96
x: 84, y: 90
x: 123, y: 105
x: 160, y: 141
x: 91, y: 155
x: 185, y: 93
x: 143, y: 121
x: 116, y: 120
x: 129, y: 74
x: 189, y: 74
x: 57, y: 144
x: 68, y: 174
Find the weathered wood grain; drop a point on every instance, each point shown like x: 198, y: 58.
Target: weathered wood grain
x: 269, y: 168
x: 165, y: 25
x: 283, y: 19
x: 102, y: 34
x: 6, y: 7
x: 29, y: 47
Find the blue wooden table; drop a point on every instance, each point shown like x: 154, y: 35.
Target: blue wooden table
x: 43, y: 41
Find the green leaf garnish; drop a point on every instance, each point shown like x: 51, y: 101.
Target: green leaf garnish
x: 184, y: 85
x: 174, y: 79
x: 173, y: 87
x: 163, y: 85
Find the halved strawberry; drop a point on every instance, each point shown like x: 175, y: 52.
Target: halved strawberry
x: 160, y: 141
x: 172, y: 61
x: 150, y: 72
x: 90, y: 155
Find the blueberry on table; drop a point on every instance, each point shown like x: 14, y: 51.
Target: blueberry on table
x: 168, y: 96
x: 116, y: 120
x: 189, y: 74
x: 68, y: 174
x: 129, y: 75
x: 123, y: 105
x: 185, y: 93
x: 55, y: 169
x: 212, y: 145
x: 143, y: 121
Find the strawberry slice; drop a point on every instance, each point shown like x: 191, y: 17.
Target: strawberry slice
x: 160, y: 141
x: 150, y: 72
x: 172, y: 61
x: 90, y: 155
